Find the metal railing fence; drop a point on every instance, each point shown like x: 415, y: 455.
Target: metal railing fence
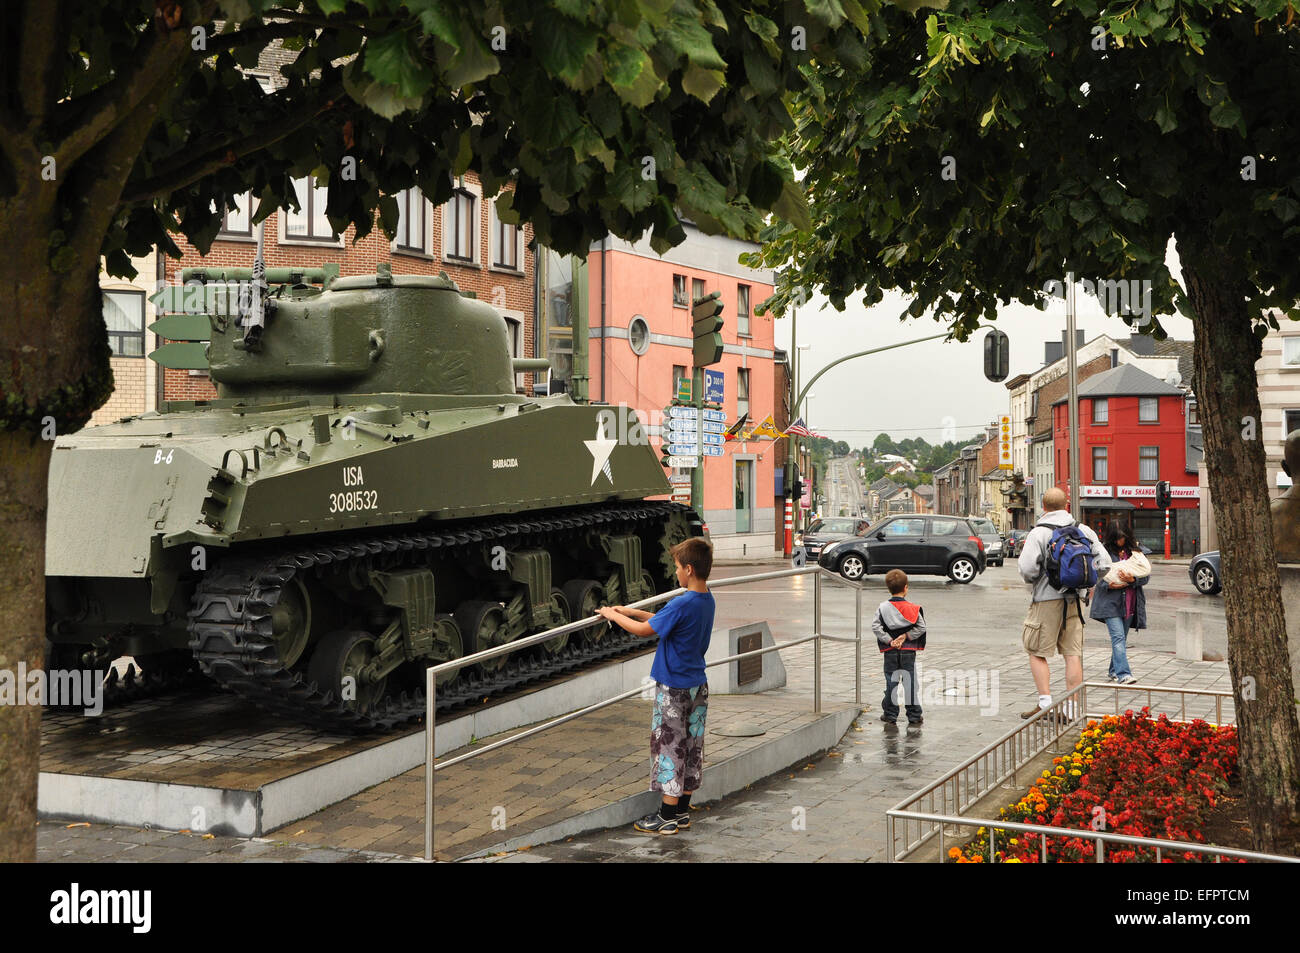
x: 943, y: 801
x: 432, y: 673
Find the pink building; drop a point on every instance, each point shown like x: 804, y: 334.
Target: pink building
x: 639, y: 308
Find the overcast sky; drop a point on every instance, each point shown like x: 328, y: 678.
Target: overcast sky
x: 936, y: 390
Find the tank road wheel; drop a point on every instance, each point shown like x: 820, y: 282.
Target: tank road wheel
x: 585, y: 597
x: 648, y: 584
x: 336, y: 667
x: 456, y: 647
x: 559, y: 607
x: 482, y: 626
x: 291, y: 622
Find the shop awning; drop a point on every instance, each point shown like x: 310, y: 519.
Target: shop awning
x: 1102, y: 504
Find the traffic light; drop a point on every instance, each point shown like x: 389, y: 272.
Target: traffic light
x: 707, y: 315
x: 1164, y: 495
x: 796, y: 490
x: 997, y: 356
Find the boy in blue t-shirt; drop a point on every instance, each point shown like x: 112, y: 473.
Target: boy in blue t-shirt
x: 681, y: 688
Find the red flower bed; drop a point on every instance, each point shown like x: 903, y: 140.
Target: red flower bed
x: 1146, y: 778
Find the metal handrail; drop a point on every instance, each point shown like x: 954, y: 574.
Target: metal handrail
x: 432, y: 673
x: 1101, y: 837
x: 1020, y: 755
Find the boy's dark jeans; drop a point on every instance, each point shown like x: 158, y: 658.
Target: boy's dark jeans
x: 900, y: 669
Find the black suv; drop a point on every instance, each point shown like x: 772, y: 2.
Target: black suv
x: 929, y: 545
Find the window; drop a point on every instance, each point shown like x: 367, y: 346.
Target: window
x: 124, y: 316
x: 679, y: 372
x: 411, y: 232
x: 1100, y: 410
x: 697, y: 289
x: 742, y: 309
x: 944, y: 527
x: 1291, y: 352
x: 1291, y: 422
x: 458, y: 225
x: 1148, y: 410
x: 911, y: 526
x: 1193, y: 418
x: 237, y: 221
x: 679, y: 292
x: 507, y: 243
x: 1099, y: 461
x: 742, y: 393
x: 309, y: 222
x: 638, y: 335
x: 1148, y: 464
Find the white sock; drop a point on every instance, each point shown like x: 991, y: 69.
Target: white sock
x: 1044, y: 701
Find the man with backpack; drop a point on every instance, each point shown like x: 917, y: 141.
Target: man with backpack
x: 1061, y: 559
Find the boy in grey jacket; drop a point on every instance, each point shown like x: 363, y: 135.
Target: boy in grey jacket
x: 1055, y: 619
x: 900, y: 633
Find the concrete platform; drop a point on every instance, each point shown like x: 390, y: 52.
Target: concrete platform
x: 211, y: 762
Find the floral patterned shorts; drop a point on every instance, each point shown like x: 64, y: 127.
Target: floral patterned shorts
x: 677, y: 738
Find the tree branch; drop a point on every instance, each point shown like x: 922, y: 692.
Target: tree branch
x: 96, y: 114
x: 218, y: 157
x: 39, y: 56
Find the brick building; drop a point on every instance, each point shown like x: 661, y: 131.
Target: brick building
x: 1133, y: 432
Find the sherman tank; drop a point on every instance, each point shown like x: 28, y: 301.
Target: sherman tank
x: 368, y: 495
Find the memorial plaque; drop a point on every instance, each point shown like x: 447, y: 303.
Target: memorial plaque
x: 749, y: 669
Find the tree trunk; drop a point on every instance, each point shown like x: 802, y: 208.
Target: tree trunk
x: 54, y: 372
x: 24, y: 463
x: 1227, y: 398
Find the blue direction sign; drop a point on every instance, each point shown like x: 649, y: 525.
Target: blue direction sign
x: 683, y: 423
x: 713, y: 426
x: 713, y: 439
x: 714, y: 388
x: 686, y: 412
x: 710, y: 451
x: 716, y: 416
x: 687, y: 450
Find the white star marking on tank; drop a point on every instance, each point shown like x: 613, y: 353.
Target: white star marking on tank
x: 600, y: 449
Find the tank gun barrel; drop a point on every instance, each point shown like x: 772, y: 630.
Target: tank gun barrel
x: 273, y: 276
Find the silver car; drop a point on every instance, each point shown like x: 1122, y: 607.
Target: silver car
x: 992, y: 539
x: 824, y: 531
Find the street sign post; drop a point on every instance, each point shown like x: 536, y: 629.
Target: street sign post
x: 683, y: 463
x: 714, y: 386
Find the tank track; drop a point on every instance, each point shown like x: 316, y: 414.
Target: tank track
x: 230, y: 622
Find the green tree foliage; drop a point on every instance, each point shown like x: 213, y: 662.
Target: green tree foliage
x: 978, y: 156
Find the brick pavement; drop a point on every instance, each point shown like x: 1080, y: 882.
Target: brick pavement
x: 539, y: 781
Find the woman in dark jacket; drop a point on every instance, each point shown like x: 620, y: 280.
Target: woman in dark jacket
x: 1121, y: 607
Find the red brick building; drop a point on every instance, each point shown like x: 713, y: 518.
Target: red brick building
x: 1133, y: 432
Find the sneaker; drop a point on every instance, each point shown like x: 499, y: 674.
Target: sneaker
x: 888, y: 721
x: 1111, y: 678
x: 919, y: 721
x: 654, y: 824
x: 1129, y: 679
x: 1032, y: 712
x: 684, y: 821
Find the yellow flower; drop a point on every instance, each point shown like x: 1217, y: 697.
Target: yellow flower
x: 1011, y: 860
x: 1014, y: 841
x: 1076, y: 772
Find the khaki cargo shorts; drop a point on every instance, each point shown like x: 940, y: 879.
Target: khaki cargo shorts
x: 1046, y: 633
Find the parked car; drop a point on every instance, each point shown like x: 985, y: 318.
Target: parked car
x: 821, y: 532
x: 923, y: 545
x: 1204, y: 573
x: 1014, y: 542
x: 986, y: 531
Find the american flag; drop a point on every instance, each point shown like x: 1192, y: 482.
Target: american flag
x: 799, y: 429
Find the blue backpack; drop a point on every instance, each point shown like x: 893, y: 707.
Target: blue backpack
x: 1068, y: 558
